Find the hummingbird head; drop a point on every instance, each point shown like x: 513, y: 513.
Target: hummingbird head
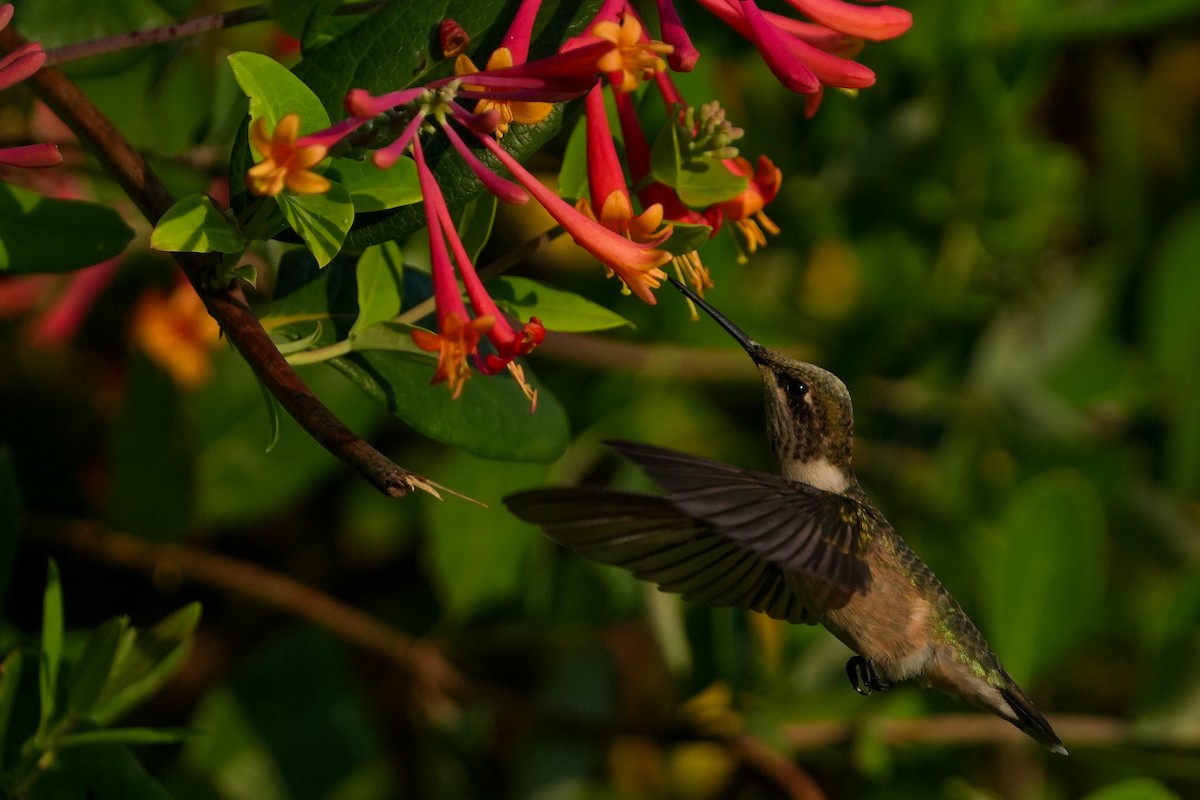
x: 809, y: 415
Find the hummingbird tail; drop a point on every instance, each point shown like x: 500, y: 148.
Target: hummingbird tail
x: 1030, y: 720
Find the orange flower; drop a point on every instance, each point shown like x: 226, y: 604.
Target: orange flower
x: 457, y: 340
x: 617, y: 215
x: 177, y: 333
x: 523, y: 112
x: 746, y: 210
x: 286, y: 160
x: 634, y: 59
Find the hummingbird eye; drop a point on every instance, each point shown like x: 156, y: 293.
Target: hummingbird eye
x: 793, y: 387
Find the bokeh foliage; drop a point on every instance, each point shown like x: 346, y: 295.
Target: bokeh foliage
x: 997, y: 247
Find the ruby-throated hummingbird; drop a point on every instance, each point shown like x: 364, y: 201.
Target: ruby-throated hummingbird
x: 805, y: 546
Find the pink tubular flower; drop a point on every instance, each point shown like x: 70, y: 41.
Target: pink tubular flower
x: 15, y: 67
x: 636, y: 264
x: 683, y: 55
x: 610, y: 202
x: 803, y: 55
x: 513, y: 49
x: 458, y: 335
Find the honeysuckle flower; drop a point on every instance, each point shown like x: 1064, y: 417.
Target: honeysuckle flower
x: 177, y: 333
x: 31, y: 155
x: 746, y: 210
x: 610, y: 203
x: 458, y: 334
x: 803, y: 56
x: 457, y: 338
x: 15, y: 67
x: 452, y: 39
x: 286, y: 159
x: 683, y: 55
x: 524, y: 112
x: 636, y: 264
x: 635, y: 57
x: 513, y: 49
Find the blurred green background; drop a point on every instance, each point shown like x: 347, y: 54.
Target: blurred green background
x: 997, y: 248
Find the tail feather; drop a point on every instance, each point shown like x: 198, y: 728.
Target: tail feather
x: 1031, y: 721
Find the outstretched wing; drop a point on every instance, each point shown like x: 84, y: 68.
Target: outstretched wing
x: 799, y: 528
x: 657, y: 542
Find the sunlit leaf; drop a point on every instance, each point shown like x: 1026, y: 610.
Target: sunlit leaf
x: 374, y: 189
x: 321, y: 220
x: 558, y: 310
x: 194, y: 225
x: 379, y: 276
x: 275, y: 92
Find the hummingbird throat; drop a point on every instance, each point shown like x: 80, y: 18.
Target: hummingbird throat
x: 819, y: 472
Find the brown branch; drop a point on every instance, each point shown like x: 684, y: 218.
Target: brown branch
x: 1076, y: 730
x: 794, y: 781
x: 437, y: 684
x: 178, y: 30
x: 227, y: 305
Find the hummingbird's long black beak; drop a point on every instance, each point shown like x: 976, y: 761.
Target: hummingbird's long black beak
x: 752, y: 347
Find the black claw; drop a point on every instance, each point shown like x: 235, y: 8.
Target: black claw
x: 862, y: 674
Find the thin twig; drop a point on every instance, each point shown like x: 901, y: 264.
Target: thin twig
x: 227, y: 305
x: 178, y: 30
x: 1076, y: 730
x: 437, y: 684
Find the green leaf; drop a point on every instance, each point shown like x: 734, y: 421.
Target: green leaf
x: 42, y: 234
x: 303, y: 19
x: 150, y: 456
x: 10, y: 680
x: 698, y: 182
x: 379, y: 275
x: 127, y: 736
x: 52, y: 645
x: 391, y: 336
x: 1172, y: 324
x: 686, y: 238
x: 478, y: 555
x: 275, y: 92
x: 558, y: 310
x: 96, y: 772
x: 10, y: 521
x: 325, y: 732
x: 474, y: 224
x: 91, y: 671
x: 321, y: 220
x: 233, y: 753
x: 145, y: 659
x: 374, y: 189
x: 491, y: 418
x: 1049, y: 552
x: 195, y: 225
x: 237, y: 479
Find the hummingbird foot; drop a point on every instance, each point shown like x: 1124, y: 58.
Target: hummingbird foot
x: 864, y: 678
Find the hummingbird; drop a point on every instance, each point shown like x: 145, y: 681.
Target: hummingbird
x: 805, y: 546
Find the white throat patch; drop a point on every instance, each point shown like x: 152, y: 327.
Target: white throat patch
x: 819, y: 473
